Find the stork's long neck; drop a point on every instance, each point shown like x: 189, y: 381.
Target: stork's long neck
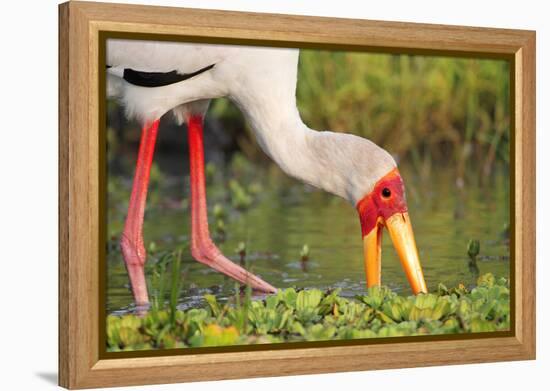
x: 314, y: 157
x: 342, y: 164
x: 287, y: 140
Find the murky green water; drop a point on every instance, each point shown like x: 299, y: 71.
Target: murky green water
x: 287, y: 215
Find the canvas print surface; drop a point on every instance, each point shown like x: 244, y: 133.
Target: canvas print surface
x: 260, y: 195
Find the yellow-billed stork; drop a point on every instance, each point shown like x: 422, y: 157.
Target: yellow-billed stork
x: 153, y: 78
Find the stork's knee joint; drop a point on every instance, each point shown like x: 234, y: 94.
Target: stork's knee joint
x: 197, y: 252
x: 133, y: 251
x: 204, y: 250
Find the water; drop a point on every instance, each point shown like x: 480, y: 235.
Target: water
x: 288, y: 215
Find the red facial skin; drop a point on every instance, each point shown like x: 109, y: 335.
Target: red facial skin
x: 375, y: 205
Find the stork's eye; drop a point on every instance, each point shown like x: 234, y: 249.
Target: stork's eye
x: 386, y: 193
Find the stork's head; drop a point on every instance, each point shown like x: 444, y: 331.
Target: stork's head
x: 385, y: 206
x: 365, y: 174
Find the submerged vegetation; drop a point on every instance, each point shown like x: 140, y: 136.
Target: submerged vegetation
x: 313, y: 315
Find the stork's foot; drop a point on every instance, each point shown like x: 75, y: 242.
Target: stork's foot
x: 134, y: 257
x: 207, y: 253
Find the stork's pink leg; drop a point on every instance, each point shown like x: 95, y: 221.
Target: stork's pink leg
x: 202, y: 247
x: 131, y: 242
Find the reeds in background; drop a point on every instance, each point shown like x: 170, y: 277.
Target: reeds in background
x: 426, y: 109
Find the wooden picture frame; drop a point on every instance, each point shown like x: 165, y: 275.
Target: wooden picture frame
x: 81, y: 364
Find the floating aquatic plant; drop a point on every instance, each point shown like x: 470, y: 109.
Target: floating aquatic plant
x: 473, y: 252
x: 241, y: 251
x: 240, y: 197
x: 314, y: 315
x: 220, y: 227
x: 304, y: 253
x: 473, y: 248
x: 219, y: 211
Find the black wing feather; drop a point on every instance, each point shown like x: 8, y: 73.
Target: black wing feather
x: 159, y: 79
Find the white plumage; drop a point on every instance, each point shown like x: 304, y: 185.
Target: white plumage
x: 262, y: 83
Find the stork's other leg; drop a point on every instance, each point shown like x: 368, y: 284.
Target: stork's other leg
x: 131, y: 242
x: 202, y: 247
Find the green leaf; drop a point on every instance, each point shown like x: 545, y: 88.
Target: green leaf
x: 309, y: 299
x: 272, y: 301
x: 213, y: 304
x: 487, y: 280
x: 289, y: 297
x: 425, y: 301
x: 473, y: 248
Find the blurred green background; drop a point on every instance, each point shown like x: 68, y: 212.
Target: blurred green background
x: 426, y: 109
x: 445, y: 120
